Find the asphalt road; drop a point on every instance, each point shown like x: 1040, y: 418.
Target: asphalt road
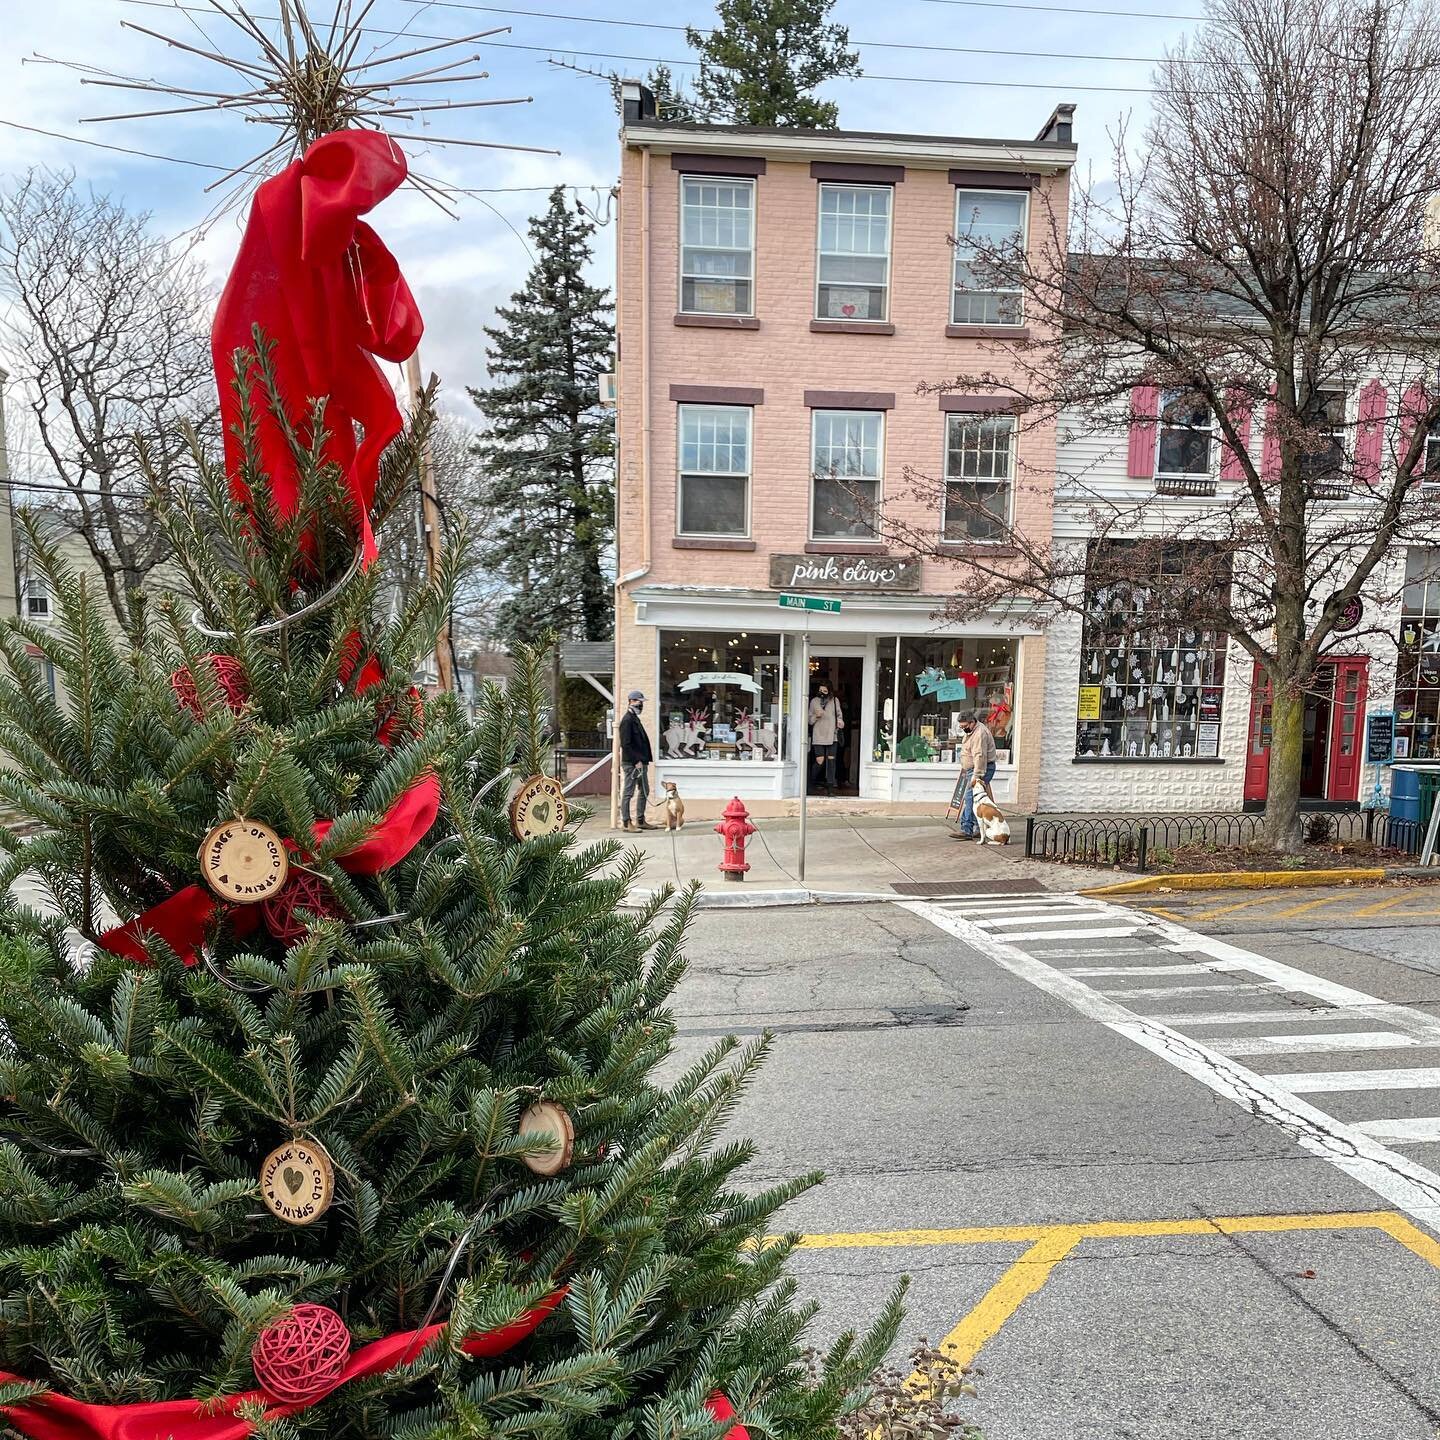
x: 1144, y: 1178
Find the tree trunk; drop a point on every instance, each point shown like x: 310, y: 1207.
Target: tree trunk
x: 1287, y: 754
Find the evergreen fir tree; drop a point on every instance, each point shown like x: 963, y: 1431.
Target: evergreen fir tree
x: 763, y: 58
x: 405, y: 1026
x: 549, y: 444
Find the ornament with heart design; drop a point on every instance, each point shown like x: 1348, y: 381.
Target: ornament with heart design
x: 297, y: 1181
x: 539, y: 809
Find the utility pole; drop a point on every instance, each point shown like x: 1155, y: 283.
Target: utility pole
x: 430, y: 524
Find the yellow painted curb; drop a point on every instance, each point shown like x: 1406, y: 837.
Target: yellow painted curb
x: 1237, y: 880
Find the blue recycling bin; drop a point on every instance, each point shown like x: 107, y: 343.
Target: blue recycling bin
x: 1405, y: 795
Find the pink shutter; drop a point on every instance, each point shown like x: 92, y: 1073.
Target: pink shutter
x: 1412, y: 406
x: 1144, y: 414
x: 1238, y: 408
x: 1370, y: 431
x: 1270, y: 446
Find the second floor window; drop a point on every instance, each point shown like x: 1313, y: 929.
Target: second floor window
x: 1185, y: 431
x: 1430, y: 461
x: 717, y: 246
x: 979, y: 468
x: 1329, y: 426
x: 853, y: 267
x: 989, y: 227
x: 714, y: 470
x: 37, y: 599
x: 847, y: 460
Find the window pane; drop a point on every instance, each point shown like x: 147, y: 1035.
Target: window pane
x: 977, y: 471
x: 845, y: 507
x: 1417, y: 676
x: 712, y: 505
x: 720, y: 696
x: 988, y: 228
x: 847, y: 443
x: 853, y: 267
x: 924, y: 728
x: 1184, y: 447
x: 717, y: 245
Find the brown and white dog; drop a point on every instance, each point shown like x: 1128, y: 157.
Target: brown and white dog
x: 674, y: 806
x: 994, y: 828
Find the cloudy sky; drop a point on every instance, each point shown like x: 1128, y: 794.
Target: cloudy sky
x: 1016, y: 61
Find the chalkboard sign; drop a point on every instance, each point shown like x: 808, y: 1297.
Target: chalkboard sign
x: 1379, y: 737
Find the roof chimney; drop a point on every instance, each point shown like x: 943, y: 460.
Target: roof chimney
x: 637, y: 102
x: 1059, y: 126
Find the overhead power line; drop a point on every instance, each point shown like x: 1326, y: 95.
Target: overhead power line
x: 1066, y: 9
x: 862, y: 44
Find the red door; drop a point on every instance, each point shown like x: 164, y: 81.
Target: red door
x: 1347, y: 728
x: 1257, y: 748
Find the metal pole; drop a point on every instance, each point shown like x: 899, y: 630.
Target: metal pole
x: 804, y: 688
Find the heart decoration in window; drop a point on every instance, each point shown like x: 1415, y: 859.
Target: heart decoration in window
x: 847, y: 309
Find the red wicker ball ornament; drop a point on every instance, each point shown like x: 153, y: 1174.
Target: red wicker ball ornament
x: 300, y: 1357
x: 303, y: 891
x: 229, y: 676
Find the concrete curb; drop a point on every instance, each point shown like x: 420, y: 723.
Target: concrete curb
x: 1238, y: 880
x: 768, y: 899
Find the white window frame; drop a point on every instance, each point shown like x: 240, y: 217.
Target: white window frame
x: 37, y: 588
x: 748, y: 181
x: 956, y: 287
x: 1430, y: 457
x: 680, y: 472
x: 1211, y: 432
x: 879, y: 477
x: 947, y: 479
x: 820, y: 254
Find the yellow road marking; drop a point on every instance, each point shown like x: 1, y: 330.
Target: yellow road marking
x: 1312, y: 905
x: 1009, y: 1292
x: 1226, y: 909
x: 1390, y: 904
x: 1164, y: 913
x: 1048, y: 1245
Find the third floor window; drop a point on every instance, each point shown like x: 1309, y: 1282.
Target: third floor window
x: 852, y: 271
x: 717, y: 246
x: 989, y: 231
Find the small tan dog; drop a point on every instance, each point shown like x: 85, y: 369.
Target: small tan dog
x: 674, y: 806
x: 994, y: 828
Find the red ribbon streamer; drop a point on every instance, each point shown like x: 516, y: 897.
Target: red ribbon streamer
x: 327, y: 293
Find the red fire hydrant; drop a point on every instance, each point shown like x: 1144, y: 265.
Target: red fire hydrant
x: 735, y: 827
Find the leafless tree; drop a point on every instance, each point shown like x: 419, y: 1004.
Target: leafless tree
x: 106, y: 336
x: 1262, y: 248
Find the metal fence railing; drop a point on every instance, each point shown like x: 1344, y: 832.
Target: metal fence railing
x: 1131, y: 842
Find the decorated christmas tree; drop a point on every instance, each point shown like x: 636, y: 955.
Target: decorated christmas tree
x: 330, y: 1091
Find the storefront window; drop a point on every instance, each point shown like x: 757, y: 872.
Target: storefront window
x: 1146, y: 692
x: 925, y: 684
x: 1417, y: 678
x: 721, y: 695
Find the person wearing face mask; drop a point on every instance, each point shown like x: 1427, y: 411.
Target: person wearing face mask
x: 827, y: 720
x: 635, y: 758
x: 977, y: 757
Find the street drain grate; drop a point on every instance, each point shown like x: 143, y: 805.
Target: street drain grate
x: 959, y: 889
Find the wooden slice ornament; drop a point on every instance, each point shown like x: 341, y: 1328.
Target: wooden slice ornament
x: 244, y: 861
x: 297, y: 1181
x: 545, y: 1117
x: 539, y: 809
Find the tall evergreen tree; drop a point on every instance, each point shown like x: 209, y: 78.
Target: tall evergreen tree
x: 761, y: 60
x: 549, y: 444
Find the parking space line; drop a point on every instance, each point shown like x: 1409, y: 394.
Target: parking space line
x: 1308, y: 905
x: 1048, y: 1245
x: 1380, y: 906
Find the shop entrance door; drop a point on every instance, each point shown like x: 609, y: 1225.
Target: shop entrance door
x: 843, y: 674
x: 1333, y: 727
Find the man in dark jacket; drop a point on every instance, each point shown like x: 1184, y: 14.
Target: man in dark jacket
x: 635, y: 758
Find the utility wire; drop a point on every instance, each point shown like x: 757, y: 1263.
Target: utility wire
x: 862, y: 44
x: 1064, y: 9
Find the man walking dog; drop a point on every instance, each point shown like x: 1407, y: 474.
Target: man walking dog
x: 635, y: 758
x: 977, y: 758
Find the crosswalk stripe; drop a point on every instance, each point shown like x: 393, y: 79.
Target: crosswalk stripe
x: 1110, y: 932
x: 1314, y: 1044
x: 1161, y: 992
x: 1414, y: 1130
x: 1099, y: 970
x: 1067, y: 917
x: 1309, y: 1015
x: 1423, y: 1078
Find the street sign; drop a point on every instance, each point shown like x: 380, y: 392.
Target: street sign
x: 809, y: 602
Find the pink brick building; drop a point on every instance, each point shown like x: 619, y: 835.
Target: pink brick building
x: 781, y: 296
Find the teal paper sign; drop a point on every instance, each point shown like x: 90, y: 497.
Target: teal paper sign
x: 951, y: 690
x: 929, y: 680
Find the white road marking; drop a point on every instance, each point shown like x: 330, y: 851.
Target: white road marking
x: 1424, y: 1078
x: 1402, y: 1182
x: 1420, y: 1130
x: 1316, y: 1044
x: 1049, y: 917
x: 1161, y: 992
x: 1095, y: 971
x: 1110, y: 932
x: 1280, y: 1015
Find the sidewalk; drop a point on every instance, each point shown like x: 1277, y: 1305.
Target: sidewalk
x: 849, y: 857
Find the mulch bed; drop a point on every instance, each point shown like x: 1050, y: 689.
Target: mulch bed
x: 1208, y: 859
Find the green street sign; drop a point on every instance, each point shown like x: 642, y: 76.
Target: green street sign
x: 809, y: 602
